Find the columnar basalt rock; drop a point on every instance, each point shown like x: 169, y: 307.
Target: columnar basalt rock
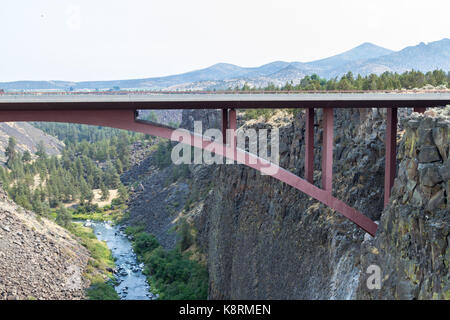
x: 156, y: 201
x: 266, y: 240
x: 411, y: 246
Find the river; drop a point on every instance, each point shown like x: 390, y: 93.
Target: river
x: 132, y: 283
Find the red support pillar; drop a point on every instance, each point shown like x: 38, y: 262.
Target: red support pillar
x: 420, y: 109
x: 232, y: 124
x: 391, y: 153
x: 327, y: 150
x: 309, y: 141
x: 224, y: 125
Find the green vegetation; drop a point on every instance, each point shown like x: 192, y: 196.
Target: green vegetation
x: 72, y: 133
x: 175, y: 274
x: 386, y: 81
x: 93, y: 158
x: 102, y: 291
x: 63, y: 216
x: 49, y: 182
x: 257, y: 113
x: 102, y: 283
x: 114, y: 213
x: 162, y: 158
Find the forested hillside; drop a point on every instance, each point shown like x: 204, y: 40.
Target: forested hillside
x: 93, y: 158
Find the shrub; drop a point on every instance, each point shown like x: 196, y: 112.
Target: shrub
x: 144, y: 242
x: 102, y: 291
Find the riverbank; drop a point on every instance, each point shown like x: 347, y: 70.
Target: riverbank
x: 129, y: 281
x: 173, y: 274
x: 99, y: 270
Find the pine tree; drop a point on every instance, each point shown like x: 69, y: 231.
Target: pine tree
x: 119, y: 166
x: 10, y: 151
x: 105, y: 192
x: 40, y: 152
x: 123, y: 193
x: 112, y: 178
x: 63, y: 216
x: 26, y: 157
x: 86, y: 192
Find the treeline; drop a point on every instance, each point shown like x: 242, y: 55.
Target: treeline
x: 386, y: 81
x: 69, y: 132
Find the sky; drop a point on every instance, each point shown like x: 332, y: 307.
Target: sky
x: 116, y: 39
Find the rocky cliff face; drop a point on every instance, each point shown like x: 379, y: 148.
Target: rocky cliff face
x: 159, y: 196
x: 38, y: 259
x: 412, y: 244
x: 265, y: 240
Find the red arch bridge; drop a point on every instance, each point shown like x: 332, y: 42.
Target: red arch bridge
x: 120, y: 110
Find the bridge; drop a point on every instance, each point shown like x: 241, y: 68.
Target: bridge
x: 121, y: 111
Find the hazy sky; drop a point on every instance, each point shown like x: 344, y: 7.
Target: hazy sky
x: 112, y: 39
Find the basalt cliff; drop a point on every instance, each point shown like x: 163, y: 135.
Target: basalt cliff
x: 262, y: 239
x: 266, y: 240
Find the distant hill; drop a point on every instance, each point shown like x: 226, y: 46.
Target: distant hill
x: 364, y: 59
x: 27, y: 138
x: 423, y: 57
x: 361, y: 53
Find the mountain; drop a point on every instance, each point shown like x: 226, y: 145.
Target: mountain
x: 423, y: 57
x: 289, y: 72
x: 362, y: 52
x: 364, y: 59
x: 435, y: 55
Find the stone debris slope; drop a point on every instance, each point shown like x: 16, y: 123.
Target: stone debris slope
x: 38, y: 259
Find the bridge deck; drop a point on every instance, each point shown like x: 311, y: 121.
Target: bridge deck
x: 118, y: 111
x: 219, y: 101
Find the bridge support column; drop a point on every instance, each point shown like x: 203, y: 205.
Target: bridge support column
x: 232, y: 124
x: 224, y: 125
x: 391, y: 153
x: 309, y: 145
x: 420, y: 110
x: 327, y: 150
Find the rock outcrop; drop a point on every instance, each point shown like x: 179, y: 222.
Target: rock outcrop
x: 156, y: 202
x: 266, y: 240
x: 38, y: 259
x: 412, y: 244
x: 159, y: 196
